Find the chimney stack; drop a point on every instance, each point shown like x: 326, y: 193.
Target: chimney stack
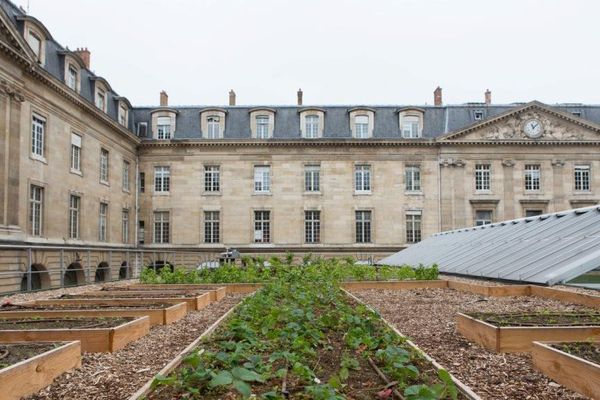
x: 231, y: 98
x: 437, y: 96
x: 84, y: 54
x: 164, y: 99
x: 488, y: 97
x: 299, y: 97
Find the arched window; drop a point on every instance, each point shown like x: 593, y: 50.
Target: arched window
x: 361, y: 126
x: 262, y: 126
x: 214, y: 125
x: 74, y: 275
x: 102, y: 272
x: 40, y: 279
x: 411, y: 126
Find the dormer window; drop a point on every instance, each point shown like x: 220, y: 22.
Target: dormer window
x: 361, y: 122
x: 101, y: 99
x: 311, y: 126
x: 214, y: 125
x: 72, y: 77
x: 361, y: 126
x: 262, y: 122
x: 163, y: 128
x: 410, y: 127
x: 312, y: 122
x: 34, y: 41
x: 123, y: 114
x: 478, y: 115
x: 262, y: 126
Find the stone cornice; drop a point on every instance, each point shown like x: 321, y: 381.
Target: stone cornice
x: 287, y: 143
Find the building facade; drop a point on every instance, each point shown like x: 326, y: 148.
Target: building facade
x: 80, y: 166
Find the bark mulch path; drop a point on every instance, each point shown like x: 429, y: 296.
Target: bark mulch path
x: 427, y: 316
x: 106, y: 376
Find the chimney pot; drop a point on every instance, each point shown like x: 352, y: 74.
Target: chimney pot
x: 437, y: 96
x: 231, y: 98
x: 164, y: 99
x: 300, y: 97
x: 84, y: 54
x: 488, y: 97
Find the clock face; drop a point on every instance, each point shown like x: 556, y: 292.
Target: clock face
x: 533, y: 128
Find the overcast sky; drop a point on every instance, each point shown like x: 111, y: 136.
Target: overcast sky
x: 337, y: 51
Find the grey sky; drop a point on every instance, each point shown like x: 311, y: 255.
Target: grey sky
x: 337, y: 51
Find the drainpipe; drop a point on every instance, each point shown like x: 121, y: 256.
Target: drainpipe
x: 439, y: 182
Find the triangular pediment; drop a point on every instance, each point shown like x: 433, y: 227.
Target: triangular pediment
x: 12, y: 40
x: 549, y: 125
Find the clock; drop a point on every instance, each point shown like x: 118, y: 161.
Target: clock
x: 533, y: 128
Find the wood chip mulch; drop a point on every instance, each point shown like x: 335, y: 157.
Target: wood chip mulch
x: 427, y: 316
x: 106, y: 376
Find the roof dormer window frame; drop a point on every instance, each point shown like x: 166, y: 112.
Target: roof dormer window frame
x: 101, y: 97
x: 262, y: 123
x: 312, y: 123
x: 34, y: 29
x: 160, y: 115
x: 212, y: 123
x: 410, y: 122
x: 359, y: 128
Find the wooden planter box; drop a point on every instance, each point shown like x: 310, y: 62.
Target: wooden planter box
x: 157, y: 316
x: 193, y: 301
x: 395, y: 285
x: 490, y: 291
x: 229, y: 287
x: 92, y: 339
x: 516, y: 339
x: 216, y: 293
x: 570, y: 371
x: 29, y: 376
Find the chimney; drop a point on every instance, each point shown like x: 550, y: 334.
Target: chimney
x: 231, y: 98
x: 164, y: 99
x: 84, y: 54
x: 437, y: 96
x: 488, y: 97
x: 299, y: 97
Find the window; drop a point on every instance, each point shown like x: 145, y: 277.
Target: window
x: 410, y: 127
x: 483, y: 217
x: 142, y: 182
x: 478, y: 115
x: 262, y: 226
x: 75, y: 152
x: 142, y: 129
x: 104, y: 165
x: 162, y: 179
x: 38, y: 133
x: 74, y: 213
x: 211, y: 227
x: 125, y: 225
x: 576, y: 113
x: 212, y: 178
x: 312, y: 177
x: 123, y: 115
x: 214, y: 127
x: 362, y: 178
x: 102, y: 223
x: 101, y: 99
x: 482, y: 176
x: 311, y: 130
x: 413, y: 226
x: 532, y: 177
x: 36, y: 203
x: 262, y: 179
x: 582, y: 178
x: 72, y: 74
x: 361, y: 126
x: 533, y: 213
x: 413, y: 178
x: 262, y: 126
x: 141, y: 232
x: 34, y: 41
x: 363, y: 226
x: 161, y: 227
x: 126, y: 176
x: 312, y: 226
x: 163, y: 128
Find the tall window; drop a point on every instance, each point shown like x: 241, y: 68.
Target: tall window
x: 101, y: 99
x: 125, y: 225
x: 311, y: 128
x: 74, y: 215
x: 103, y: 221
x: 312, y: 226
x: 413, y: 226
x: 362, y: 178
x: 582, y: 178
x: 75, y: 152
x: 211, y: 227
x: 212, y: 178
x: 312, y: 178
x: 214, y: 127
x: 413, y: 178
x: 482, y: 176
x: 532, y: 177
x: 262, y: 126
x: 142, y: 181
x: 363, y: 226
x: 35, y: 43
x: 72, y: 77
x: 410, y: 127
x: 126, y: 175
x: 163, y: 128
x: 36, y: 208
x: 38, y: 133
x: 262, y: 179
x: 361, y: 126
x: 262, y: 226
x: 162, y: 179
x: 123, y: 115
x: 483, y: 217
x: 104, y: 165
x: 161, y: 227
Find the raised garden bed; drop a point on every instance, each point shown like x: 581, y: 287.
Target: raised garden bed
x: 573, y: 365
x: 159, y: 313
x: 216, y: 292
x: 28, y: 367
x: 516, y: 332
x: 194, y: 301
x: 96, y: 334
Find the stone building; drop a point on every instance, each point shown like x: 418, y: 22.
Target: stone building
x: 80, y: 167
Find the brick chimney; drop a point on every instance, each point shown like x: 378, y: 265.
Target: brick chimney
x: 84, y: 54
x: 164, y: 99
x: 488, y: 97
x: 231, y: 98
x: 299, y: 97
x: 437, y: 96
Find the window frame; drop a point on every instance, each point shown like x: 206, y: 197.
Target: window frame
x: 532, y: 177
x: 36, y: 210
x: 484, y: 221
x: 414, y: 226
x: 72, y: 80
x: 104, y: 166
x: 363, y: 179
x: 212, y: 178
x: 74, y: 216
x: 262, y: 185
x: 412, y: 178
x: 125, y: 225
x: 312, y: 124
x: 582, y: 178
x: 103, y: 222
x: 363, y: 226
x: 212, y: 226
x: 362, y: 129
x: 125, y: 179
x: 483, y: 177
x: 312, y: 178
x: 213, y: 126
x: 415, y: 126
x: 38, y: 136
x: 161, y: 232
x: 76, y: 150
x: 263, y: 122
x: 101, y: 95
x: 261, y: 223
x: 312, y: 226
x: 164, y: 131
x: 162, y: 179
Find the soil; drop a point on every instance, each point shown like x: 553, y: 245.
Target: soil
x: 587, y: 350
x: 55, y: 293
x: 62, y: 323
x: 124, y: 294
x: 99, y: 306
x: 13, y: 353
x: 540, y: 319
